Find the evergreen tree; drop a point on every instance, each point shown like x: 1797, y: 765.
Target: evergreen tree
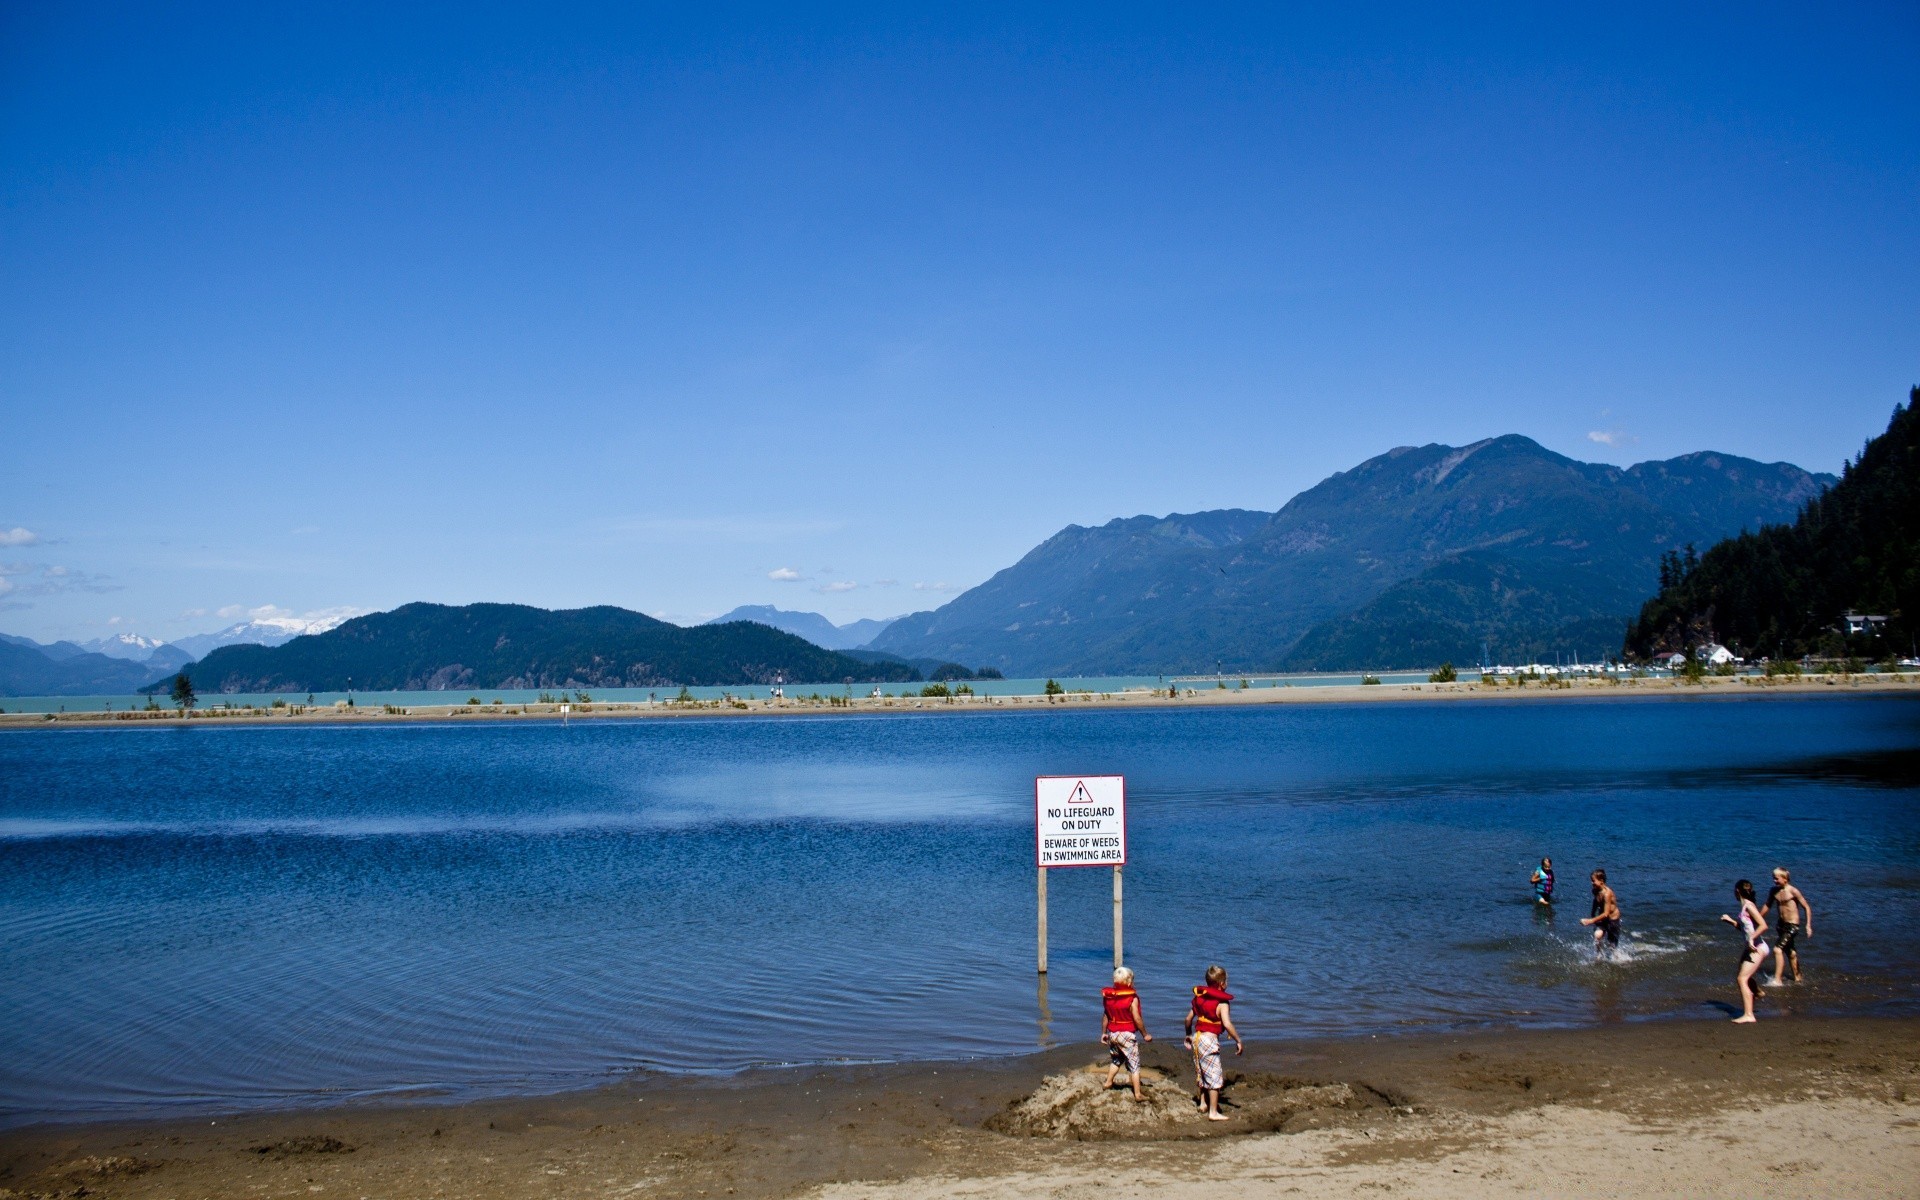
x: 1783, y: 591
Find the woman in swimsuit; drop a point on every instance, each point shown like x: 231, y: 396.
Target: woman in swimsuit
x: 1754, y: 948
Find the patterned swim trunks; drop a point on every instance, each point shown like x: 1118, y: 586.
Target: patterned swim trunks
x: 1206, y: 1060
x: 1123, y: 1050
x: 1789, y: 935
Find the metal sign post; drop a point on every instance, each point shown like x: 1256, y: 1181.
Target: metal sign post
x: 1080, y: 821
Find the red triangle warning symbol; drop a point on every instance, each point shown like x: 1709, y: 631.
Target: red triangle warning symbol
x: 1080, y: 794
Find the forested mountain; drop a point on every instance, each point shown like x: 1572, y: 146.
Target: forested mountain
x: 1783, y: 591
x: 433, y: 647
x: 1418, y: 555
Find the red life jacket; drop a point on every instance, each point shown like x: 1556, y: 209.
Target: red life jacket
x: 1118, y: 1002
x: 1206, y: 1009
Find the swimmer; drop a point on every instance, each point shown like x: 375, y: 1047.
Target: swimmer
x: 1606, y: 915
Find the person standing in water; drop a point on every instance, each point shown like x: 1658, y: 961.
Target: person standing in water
x: 1753, y: 948
x: 1606, y: 915
x: 1210, y: 1016
x: 1122, y: 1029
x: 1543, y: 882
x: 1796, y: 922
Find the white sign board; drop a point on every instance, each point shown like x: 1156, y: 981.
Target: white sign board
x: 1080, y: 820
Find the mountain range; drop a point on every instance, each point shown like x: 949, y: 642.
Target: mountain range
x: 434, y: 647
x: 28, y: 668
x: 75, y: 672
x: 1416, y: 556
x: 809, y: 625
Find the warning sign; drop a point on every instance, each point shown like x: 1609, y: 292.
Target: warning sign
x: 1080, y: 820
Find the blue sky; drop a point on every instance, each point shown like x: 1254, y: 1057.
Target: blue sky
x: 307, y: 311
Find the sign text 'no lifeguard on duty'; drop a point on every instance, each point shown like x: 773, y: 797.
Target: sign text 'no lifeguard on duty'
x: 1081, y: 820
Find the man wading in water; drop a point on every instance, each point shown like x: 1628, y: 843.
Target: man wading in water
x: 1794, y: 925
x: 1209, y: 1017
x: 1606, y: 916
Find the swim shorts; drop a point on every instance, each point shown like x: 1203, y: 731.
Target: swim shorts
x: 1123, y: 1049
x: 1612, y: 931
x: 1789, y: 935
x: 1206, y: 1060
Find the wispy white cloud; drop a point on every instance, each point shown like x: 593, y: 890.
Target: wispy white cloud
x: 53, y: 580
x: 886, y: 583
x: 18, y: 537
x: 1611, y: 437
x: 838, y: 585
x: 785, y: 575
x: 940, y: 586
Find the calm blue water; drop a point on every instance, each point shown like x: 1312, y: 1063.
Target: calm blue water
x: 211, y: 918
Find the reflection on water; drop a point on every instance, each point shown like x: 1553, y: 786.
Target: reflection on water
x: 219, y: 917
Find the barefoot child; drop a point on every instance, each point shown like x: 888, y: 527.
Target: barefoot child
x: 1209, y: 1017
x: 1606, y: 916
x: 1753, y: 950
x: 1543, y: 882
x: 1122, y: 1028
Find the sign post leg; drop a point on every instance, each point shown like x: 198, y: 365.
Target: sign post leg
x: 1119, y: 959
x: 1043, y: 920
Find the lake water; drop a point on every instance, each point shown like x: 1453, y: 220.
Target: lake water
x: 204, y: 918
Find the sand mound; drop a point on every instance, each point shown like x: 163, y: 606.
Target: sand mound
x: 1076, y: 1105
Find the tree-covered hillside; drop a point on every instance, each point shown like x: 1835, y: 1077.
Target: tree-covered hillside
x: 1783, y: 591
x: 432, y: 647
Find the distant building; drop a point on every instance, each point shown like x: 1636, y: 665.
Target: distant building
x: 1855, y: 622
x: 1676, y: 661
x: 1713, y: 654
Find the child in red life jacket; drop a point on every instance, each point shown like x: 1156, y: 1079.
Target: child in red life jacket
x: 1122, y: 1029
x: 1210, y: 1016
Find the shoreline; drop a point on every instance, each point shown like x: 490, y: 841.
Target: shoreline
x: 1421, y: 1113
x: 1736, y: 687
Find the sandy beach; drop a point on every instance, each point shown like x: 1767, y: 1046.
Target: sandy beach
x: 1716, y: 687
x: 1791, y: 1107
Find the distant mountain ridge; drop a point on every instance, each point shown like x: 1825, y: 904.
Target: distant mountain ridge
x: 437, y: 647
x: 29, y: 669
x: 812, y: 626
x: 1416, y: 555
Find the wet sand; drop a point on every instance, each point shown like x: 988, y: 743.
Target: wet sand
x: 1790, y: 1107
x: 1713, y: 687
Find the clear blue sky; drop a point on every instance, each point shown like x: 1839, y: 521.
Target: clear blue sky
x: 643, y: 308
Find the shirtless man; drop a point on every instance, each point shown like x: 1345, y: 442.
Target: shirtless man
x: 1795, y: 922
x: 1606, y: 915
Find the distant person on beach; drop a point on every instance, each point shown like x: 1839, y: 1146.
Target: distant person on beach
x: 1210, y: 1016
x: 1795, y: 922
x: 1543, y: 882
x: 1753, y: 948
x: 1122, y: 1029
x: 1606, y: 915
